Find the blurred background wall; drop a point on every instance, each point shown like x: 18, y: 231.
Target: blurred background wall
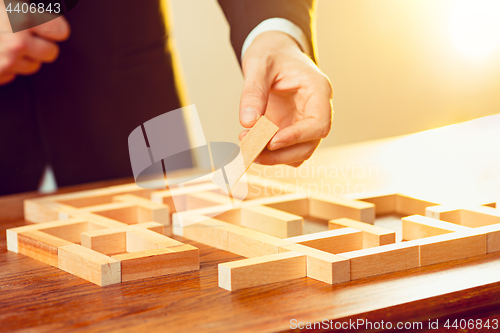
x: 397, y: 67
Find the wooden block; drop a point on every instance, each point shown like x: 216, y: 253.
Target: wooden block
x: 120, y: 211
x: 492, y: 233
x: 176, y: 198
x: 406, y: 205
x: 158, y: 262
x: 143, y: 240
x: 251, y: 243
x: 153, y: 226
x: 208, y: 199
x: 89, y: 265
x: 323, y: 266
x: 448, y: 247
x: 444, y: 213
x: 211, y: 232
x: 105, y: 241
x: 99, y: 221
x: 332, y: 241
x: 263, y: 270
x: 416, y: 227
x: 271, y: 221
x: 250, y: 147
x: 181, y: 218
x: 384, y: 204
x: 329, y: 207
x: 70, y: 232
x: 40, y: 210
x: 372, y: 235
x: 297, y: 206
x: 12, y: 234
x: 40, y: 246
x: 146, y: 209
x: 479, y: 216
x: 382, y: 259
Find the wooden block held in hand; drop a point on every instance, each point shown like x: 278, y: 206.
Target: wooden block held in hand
x: 372, y: 235
x: 250, y: 147
x: 89, y: 265
x: 323, y: 266
x: 262, y: 270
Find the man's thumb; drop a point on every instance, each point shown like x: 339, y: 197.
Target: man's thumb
x: 253, y: 99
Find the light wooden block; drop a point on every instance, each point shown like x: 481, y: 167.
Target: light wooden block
x: 208, y: 199
x: 448, y: 247
x: 211, y: 232
x: 145, y: 209
x: 120, y: 211
x: 251, y: 146
x: 406, y: 205
x: 384, y: 204
x: 144, y: 239
x: 40, y: 210
x: 157, y: 262
x: 153, y: 226
x: 492, y: 233
x: 40, y: 246
x: 382, y: 259
x: 372, y: 235
x: 263, y: 270
x: 292, y: 204
x: 444, y: 213
x: 323, y: 266
x: 271, y: 221
x: 328, y: 207
x: 332, y: 241
x: 89, y: 265
x: 251, y: 243
x: 74, y: 224
x: 479, y: 216
x: 105, y: 241
x: 416, y: 227
x: 176, y: 198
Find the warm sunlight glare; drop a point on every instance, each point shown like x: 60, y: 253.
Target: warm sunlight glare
x: 475, y: 26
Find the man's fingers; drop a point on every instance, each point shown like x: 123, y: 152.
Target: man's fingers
x: 25, y: 66
x: 302, y: 131
x: 7, y: 78
x: 57, y: 30
x: 293, y: 156
x: 243, y: 134
x: 255, y: 93
x: 42, y: 50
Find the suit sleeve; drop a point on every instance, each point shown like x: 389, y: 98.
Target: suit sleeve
x: 244, y: 15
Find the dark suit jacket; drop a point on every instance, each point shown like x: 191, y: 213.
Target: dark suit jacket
x: 113, y: 74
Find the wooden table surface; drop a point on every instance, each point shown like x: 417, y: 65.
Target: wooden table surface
x: 40, y: 298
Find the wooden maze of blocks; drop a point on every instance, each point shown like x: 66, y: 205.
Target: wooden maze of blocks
x: 120, y: 233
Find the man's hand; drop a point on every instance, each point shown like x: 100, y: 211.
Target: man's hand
x: 285, y: 85
x: 23, y: 53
